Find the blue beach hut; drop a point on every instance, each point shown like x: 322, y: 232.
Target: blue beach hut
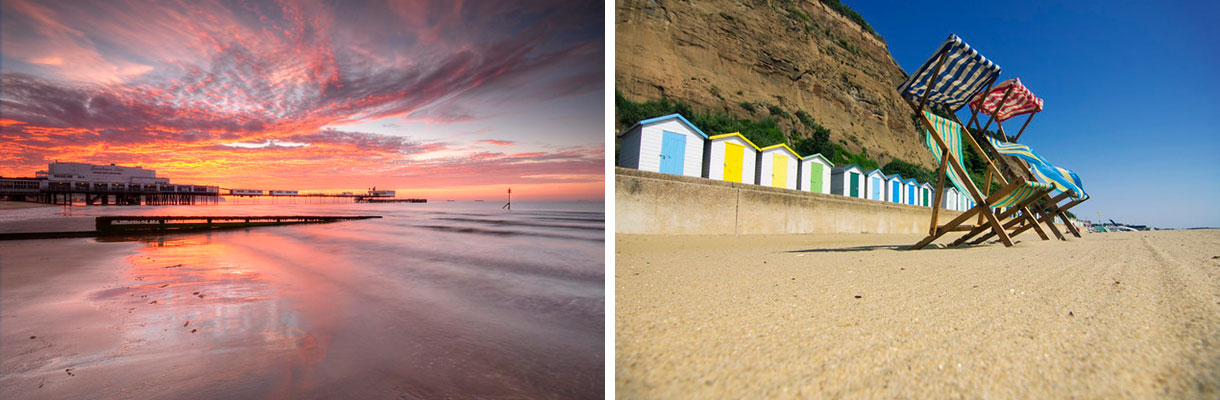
x: 668, y: 144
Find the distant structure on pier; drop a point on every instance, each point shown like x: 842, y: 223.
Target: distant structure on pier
x: 66, y: 182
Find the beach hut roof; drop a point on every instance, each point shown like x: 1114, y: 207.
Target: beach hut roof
x: 849, y: 167
x: 781, y: 145
x: 911, y: 180
x: 669, y: 117
x: 877, y: 171
x: 925, y: 184
x: 737, y: 134
x: 818, y: 155
x: 888, y: 177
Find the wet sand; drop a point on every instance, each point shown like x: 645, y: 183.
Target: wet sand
x: 18, y: 205
x: 20, y: 216
x: 1119, y: 315
x: 359, y: 309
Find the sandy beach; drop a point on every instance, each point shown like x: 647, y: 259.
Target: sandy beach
x: 1119, y: 315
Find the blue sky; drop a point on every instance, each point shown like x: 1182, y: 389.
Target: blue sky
x: 1130, y: 88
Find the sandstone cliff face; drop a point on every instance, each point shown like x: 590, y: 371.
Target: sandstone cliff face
x: 716, y: 54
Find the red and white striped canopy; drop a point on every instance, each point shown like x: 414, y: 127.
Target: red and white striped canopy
x: 1019, y: 101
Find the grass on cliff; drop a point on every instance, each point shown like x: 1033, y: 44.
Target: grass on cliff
x: 808, y: 138
x: 791, y: 9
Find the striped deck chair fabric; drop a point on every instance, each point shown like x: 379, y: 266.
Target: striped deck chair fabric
x: 964, y: 73
x: 1063, y: 179
x: 1020, y: 101
x: 951, y: 133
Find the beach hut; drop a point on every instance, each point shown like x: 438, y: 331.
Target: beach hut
x: 730, y: 157
x: 815, y: 174
x: 847, y: 181
x: 893, y: 189
x: 925, y: 191
x: 948, y: 200
x: 668, y: 144
x: 875, y: 185
x: 911, y: 189
x: 777, y: 166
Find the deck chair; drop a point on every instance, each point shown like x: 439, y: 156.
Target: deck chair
x: 1002, y: 102
x: 1066, y: 181
x: 1006, y: 100
x: 948, y: 80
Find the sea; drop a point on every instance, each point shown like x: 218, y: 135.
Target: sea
x: 432, y: 300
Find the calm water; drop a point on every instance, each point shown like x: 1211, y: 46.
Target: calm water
x: 432, y: 301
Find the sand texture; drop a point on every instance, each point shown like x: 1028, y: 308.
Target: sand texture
x: 1119, y: 315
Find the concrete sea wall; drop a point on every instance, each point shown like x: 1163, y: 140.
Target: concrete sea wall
x: 654, y: 203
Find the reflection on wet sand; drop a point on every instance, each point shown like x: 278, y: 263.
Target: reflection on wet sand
x: 360, y: 309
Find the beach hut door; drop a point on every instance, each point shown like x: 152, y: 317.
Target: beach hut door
x: 673, y: 152
x: 855, y: 184
x: 815, y: 177
x: 732, y: 161
x: 875, y: 183
x: 779, y: 170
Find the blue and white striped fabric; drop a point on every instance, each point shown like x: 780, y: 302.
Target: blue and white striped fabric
x: 964, y: 73
x: 1062, y: 178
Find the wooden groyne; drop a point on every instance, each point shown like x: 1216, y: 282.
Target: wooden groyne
x: 141, y: 223
x: 145, y: 224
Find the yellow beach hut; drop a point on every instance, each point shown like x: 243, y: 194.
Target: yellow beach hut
x: 730, y: 157
x: 777, y: 166
x: 815, y: 174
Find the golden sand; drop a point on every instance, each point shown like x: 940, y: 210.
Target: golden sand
x: 1129, y: 315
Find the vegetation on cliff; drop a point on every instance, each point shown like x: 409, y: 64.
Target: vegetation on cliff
x: 764, y: 131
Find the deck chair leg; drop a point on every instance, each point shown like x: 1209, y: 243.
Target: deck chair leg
x: 940, y: 187
x: 1033, y: 220
x: 1072, y: 229
x: 1051, y: 224
x: 945, y: 229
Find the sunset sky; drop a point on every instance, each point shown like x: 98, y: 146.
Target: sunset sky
x: 445, y: 99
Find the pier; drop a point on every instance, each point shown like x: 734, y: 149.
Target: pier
x: 70, y: 183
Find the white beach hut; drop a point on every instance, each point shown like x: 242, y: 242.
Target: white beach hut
x: 893, y: 189
x: 911, y: 191
x: 668, y: 144
x: 730, y: 157
x: 925, y: 192
x: 777, y: 166
x: 875, y: 185
x: 949, y: 199
x: 815, y: 174
x: 847, y: 181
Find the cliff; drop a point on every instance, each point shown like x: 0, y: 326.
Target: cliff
x: 759, y: 59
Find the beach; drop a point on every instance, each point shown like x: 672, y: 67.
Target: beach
x: 1117, y: 315
x: 442, y: 300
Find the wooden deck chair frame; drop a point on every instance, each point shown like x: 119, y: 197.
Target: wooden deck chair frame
x: 1047, y: 211
x: 982, y: 204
